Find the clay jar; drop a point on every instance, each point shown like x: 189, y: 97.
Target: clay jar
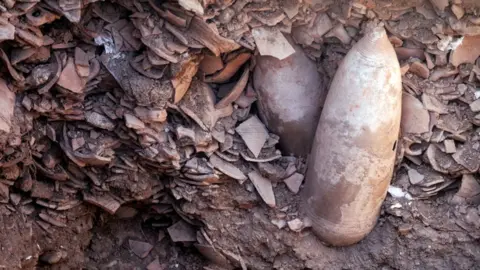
x: 291, y: 94
x: 353, y: 152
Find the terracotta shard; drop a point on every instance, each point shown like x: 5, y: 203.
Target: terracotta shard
x: 204, y: 34
x: 235, y: 92
x: 440, y: 4
x: 105, y: 201
x: 69, y: 78
x: 415, y: 177
x: 211, y: 64
x: 7, y: 30
x: 183, y: 74
x: 139, y: 248
x: 133, y: 122
x: 4, y: 193
x: 230, y: 69
x: 467, y: 52
x: 419, y: 69
x: 450, y: 146
x: 253, y: 133
x: 7, y: 103
x: 308, y: 34
x: 182, y: 232
x: 294, y: 182
x: 469, y: 191
x: 38, y: 16
x: 77, y: 143
x: 198, y: 103
x: 227, y: 168
x: 99, y: 120
x: 415, y: 119
x: 150, y: 115
x: 440, y: 161
x: 263, y: 187
x: 19, y: 55
x: 192, y: 5
x: 432, y: 104
x: 340, y: 33
x: 407, y: 53
x: 269, y: 18
x: 468, y: 155
x: 13, y: 72
x: 272, y: 42
x: 155, y: 265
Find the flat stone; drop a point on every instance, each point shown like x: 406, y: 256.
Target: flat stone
x: 415, y: 118
x: 139, y: 248
x: 272, y: 42
x: 294, y: 182
x: 263, y: 187
x: 254, y: 134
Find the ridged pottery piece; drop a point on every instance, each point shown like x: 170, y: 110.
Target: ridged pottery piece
x: 291, y: 94
x: 354, y: 148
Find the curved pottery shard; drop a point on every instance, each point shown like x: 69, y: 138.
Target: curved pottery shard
x: 291, y: 94
x: 354, y: 148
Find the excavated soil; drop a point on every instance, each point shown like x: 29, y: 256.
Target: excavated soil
x: 111, y: 122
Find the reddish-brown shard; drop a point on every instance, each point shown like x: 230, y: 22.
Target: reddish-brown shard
x: 211, y: 64
x: 69, y: 78
x: 235, y: 92
x: 202, y: 32
x: 467, y: 52
x: 230, y: 69
x: 420, y: 69
x: 183, y: 75
x: 141, y: 249
x: 415, y: 118
x: 7, y: 104
x: 105, y: 201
